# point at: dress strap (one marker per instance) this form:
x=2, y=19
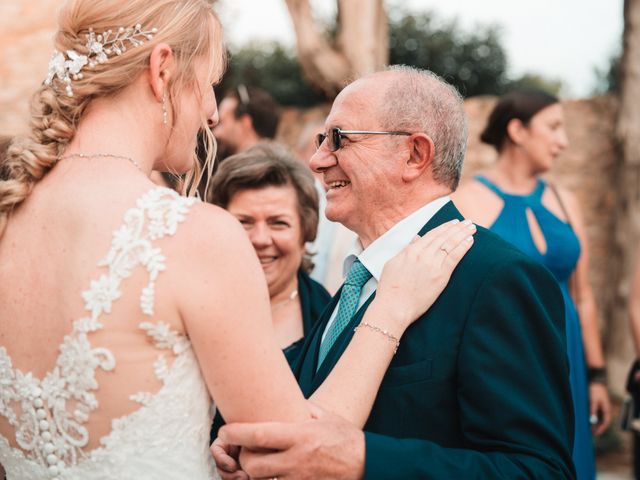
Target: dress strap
x=539, y=190
x=490, y=185
x=535, y=196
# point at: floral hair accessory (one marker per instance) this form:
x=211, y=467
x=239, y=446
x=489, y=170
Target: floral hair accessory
x=99, y=48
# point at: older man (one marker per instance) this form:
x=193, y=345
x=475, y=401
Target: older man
x=479, y=385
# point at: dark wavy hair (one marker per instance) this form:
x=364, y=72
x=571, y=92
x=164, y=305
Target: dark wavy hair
x=519, y=104
x=260, y=106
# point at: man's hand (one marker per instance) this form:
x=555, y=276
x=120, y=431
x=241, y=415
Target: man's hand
x=226, y=457
x=325, y=447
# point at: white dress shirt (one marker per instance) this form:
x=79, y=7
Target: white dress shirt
x=385, y=247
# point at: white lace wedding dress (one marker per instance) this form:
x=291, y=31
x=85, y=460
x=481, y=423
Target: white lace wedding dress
x=166, y=437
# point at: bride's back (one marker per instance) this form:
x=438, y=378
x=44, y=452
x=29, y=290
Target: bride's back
x=98, y=378
x=49, y=257
x=91, y=330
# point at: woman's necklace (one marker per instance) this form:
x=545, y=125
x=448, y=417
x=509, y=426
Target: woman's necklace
x=292, y=297
x=101, y=155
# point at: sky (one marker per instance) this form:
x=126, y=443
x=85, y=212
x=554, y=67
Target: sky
x=563, y=39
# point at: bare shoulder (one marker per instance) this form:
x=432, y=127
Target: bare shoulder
x=213, y=256
x=469, y=188
x=208, y=223
x=476, y=202
x=208, y=240
x=569, y=201
x=568, y=197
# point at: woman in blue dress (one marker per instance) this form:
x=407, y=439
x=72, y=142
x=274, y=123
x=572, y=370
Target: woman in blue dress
x=510, y=198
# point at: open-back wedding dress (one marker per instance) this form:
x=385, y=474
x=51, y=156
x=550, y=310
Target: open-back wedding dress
x=165, y=433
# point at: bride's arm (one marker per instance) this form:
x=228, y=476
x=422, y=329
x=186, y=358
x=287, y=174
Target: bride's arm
x=224, y=303
x=410, y=284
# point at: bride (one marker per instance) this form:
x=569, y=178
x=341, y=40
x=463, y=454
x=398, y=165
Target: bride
x=126, y=307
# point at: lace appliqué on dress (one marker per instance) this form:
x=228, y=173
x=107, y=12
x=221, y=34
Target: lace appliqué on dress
x=49, y=414
x=163, y=338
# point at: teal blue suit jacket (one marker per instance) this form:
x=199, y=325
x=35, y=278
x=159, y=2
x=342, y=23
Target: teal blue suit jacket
x=479, y=387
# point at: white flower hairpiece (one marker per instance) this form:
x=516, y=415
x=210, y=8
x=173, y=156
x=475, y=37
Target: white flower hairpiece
x=99, y=47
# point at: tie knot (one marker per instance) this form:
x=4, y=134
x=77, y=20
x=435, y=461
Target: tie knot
x=358, y=275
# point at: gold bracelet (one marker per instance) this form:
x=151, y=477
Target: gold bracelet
x=383, y=332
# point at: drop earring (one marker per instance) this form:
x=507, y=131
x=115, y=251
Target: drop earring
x=164, y=109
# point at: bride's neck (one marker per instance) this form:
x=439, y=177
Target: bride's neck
x=118, y=126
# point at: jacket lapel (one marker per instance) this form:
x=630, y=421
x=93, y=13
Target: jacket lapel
x=446, y=213
x=305, y=370
x=306, y=373
x=339, y=347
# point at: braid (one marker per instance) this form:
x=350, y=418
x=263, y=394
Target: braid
x=52, y=125
x=190, y=27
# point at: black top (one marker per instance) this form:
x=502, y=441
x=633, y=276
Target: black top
x=313, y=299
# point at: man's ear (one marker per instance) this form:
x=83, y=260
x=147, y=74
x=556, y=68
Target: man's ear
x=421, y=154
x=161, y=64
x=516, y=130
x=247, y=122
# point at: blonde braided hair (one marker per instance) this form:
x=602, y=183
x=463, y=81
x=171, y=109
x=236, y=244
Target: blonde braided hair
x=189, y=27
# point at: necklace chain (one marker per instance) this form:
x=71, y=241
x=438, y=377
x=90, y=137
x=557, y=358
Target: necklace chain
x=292, y=296
x=102, y=155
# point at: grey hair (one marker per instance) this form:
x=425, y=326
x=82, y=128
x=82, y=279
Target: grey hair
x=420, y=101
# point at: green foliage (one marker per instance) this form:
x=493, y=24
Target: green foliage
x=475, y=62
x=533, y=80
x=608, y=78
x=272, y=68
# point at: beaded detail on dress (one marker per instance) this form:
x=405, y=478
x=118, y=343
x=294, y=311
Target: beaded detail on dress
x=49, y=414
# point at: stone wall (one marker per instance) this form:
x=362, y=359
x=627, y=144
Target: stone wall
x=26, y=33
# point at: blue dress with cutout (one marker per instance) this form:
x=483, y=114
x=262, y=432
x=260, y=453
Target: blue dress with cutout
x=561, y=257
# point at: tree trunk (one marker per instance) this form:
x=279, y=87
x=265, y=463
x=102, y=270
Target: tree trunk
x=618, y=339
x=362, y=43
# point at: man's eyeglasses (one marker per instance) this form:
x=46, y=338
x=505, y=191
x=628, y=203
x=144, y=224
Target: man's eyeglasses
x=335, y=135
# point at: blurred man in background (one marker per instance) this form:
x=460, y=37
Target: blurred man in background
x=248, y=115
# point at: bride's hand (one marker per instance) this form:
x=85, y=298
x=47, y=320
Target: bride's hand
x=412, y=281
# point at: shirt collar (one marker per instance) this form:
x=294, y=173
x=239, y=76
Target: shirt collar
x=390, y=243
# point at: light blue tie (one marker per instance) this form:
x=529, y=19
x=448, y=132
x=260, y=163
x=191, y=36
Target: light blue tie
x=349, y=298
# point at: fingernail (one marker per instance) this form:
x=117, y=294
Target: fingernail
x=471, y=226
x=455, y=221
x=470, y=239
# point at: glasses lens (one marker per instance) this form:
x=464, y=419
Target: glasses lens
x=319, y=139
x=335, y=139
